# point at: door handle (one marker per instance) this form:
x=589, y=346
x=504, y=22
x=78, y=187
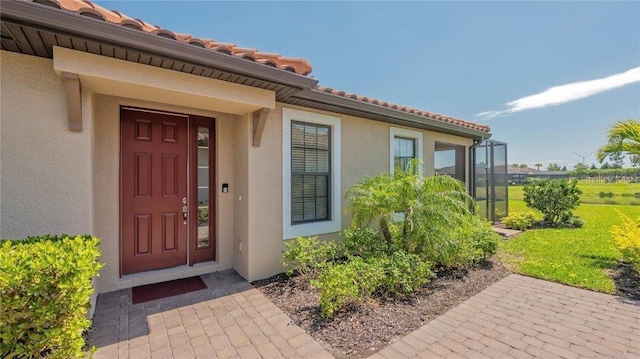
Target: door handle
x=185, y=209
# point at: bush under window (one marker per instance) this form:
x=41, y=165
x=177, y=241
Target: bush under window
x=422, y=223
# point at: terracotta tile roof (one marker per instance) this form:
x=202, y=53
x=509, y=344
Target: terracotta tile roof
x=296, y=65
x=87, y=8
x=426, y=114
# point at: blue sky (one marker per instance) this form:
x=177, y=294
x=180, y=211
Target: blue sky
x=454, y=58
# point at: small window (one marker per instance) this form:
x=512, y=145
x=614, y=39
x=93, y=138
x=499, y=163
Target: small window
x=404, y=150
x=311, y=180
x=310, y=172
x=405, y=145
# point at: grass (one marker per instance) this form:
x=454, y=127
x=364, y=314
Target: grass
x=608, y=193
x=577, y=257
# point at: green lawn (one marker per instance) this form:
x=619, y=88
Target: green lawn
x=578, y=257
x=609, y=193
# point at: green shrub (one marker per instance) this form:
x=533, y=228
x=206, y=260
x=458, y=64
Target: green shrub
x=341, y=284
x=610, y=201
x=484, y=240
x=473, y=242
x=45, y=288
x=519, y=220
x=363, y=241
x=403, y=272
x=554, y=198
x=307, y=255
x=359, y=278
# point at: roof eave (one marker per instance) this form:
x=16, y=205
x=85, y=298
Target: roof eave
x=400, y=117
x=59, y=20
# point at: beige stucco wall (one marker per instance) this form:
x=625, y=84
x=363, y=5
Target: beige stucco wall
x=364, y=152
x=45, y=169
x=241, y=220
x=106, y=189
x=142, y=82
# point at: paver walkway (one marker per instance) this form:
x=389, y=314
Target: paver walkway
x=522, y=317
x=517, y=317
x=229, y=319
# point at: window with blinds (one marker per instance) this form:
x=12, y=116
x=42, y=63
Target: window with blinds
x=310, y=172
x=404, y=150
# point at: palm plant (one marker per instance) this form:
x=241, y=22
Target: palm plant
x=623, y=137
x=413, y=213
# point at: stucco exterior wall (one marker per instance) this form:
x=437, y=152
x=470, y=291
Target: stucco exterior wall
x=365, y=152
x=241, y=222
x=106, y=189
x=45, y=169
x=149, y=83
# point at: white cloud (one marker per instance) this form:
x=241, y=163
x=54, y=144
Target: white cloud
x=566, y=93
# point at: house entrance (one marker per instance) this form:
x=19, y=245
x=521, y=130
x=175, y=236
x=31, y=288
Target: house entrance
x=166, y=171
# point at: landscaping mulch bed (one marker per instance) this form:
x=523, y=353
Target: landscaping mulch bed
x=364, y=329
x=627, y=281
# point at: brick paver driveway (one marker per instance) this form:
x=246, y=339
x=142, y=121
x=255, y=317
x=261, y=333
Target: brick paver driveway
x=230, y=319
x=522, y=317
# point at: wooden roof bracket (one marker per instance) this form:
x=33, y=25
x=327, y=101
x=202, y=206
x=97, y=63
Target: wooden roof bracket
x=259, y=120
x=73, y=89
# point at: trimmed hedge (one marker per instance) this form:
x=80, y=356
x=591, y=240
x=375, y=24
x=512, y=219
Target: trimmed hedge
x=45, y=288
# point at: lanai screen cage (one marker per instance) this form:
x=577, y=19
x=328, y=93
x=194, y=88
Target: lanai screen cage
x=489, y=185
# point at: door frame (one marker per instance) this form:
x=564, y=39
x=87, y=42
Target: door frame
x=192, y=122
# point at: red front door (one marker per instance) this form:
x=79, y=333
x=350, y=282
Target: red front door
x=153, y=190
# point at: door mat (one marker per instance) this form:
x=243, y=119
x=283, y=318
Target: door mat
x=145, y=293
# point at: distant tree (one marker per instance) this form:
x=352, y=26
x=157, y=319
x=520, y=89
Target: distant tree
x=581, y=168
x=622, y=137
x=605, y=166
x=553, y=167
x=523, y=165
x=635, y=161
x=564, y=169
x=515, y=165
x=593, y=166
x=538, y=165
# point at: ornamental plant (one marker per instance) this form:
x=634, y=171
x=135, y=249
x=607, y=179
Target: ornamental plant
x=627, y=238
x=519, y=220
x=412, y=213
x=307, y=255
x=555, y=199
x=45, y=288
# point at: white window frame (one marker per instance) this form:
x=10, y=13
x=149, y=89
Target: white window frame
x=405, y=133
x=334, y=224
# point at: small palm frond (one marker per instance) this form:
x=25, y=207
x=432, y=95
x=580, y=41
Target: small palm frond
x=623, y=136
